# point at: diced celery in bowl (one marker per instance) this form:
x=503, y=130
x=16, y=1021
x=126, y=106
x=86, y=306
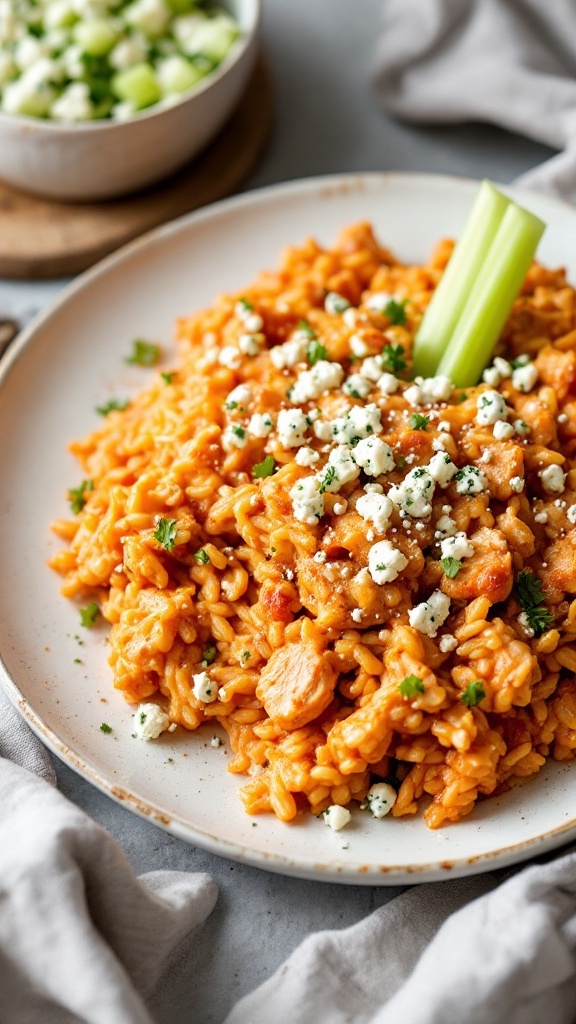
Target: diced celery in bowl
x=86, y=60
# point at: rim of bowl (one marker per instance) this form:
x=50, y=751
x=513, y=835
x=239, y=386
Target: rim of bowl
x=253, y=12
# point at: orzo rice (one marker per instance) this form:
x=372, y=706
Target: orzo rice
x=360, y=577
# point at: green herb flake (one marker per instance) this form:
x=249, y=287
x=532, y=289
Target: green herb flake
x=531, y=598
x=78, y=661
x=246, y=656
x=77, y=495
x=114, y=405
x=462, y=397
x=451, y=566
x=401, y=461
x=396, y=312
x=89, y=614
x=265, y=468
x=245, y=306
x=418, y=422
x=105, y=727
x=304, y=327
x=167, y=377
x=202, y=557
x=169, y=760
x=165, y=533
x=208, y=655
x=329, y=477
x=393, y=360
x=473, y=694
x=315, y=351
x=410, y=686
x=144, y=353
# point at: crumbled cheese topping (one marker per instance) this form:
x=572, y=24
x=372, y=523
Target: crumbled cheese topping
x=324, y=376
x=204, y=688
x=388, y=384
x=470, y=480
x=427, y=390
x=378, y=301
x=414, y=494
x=525, y=623
x=374, y=456
x=503, y=431
x=445, y=527
x=149, y=722
x=337, y=817
x=375, y=508
x=491, y=407
x=380, y=799
x=385, y=562
x=340, y=469
x=291, y=352
x=441, y=468
x=291, y=425
x=234, y=437
x=457, y=546
x=447, y=643
x=358, y=346
x=428, y=616
x=553, y=479
x=260, y=424
x=371, y=368
x=357, y=386
x=231, y=357
x=250, y=344
x=359, y=422
x=524, y=377
x=238, y=398
x=517, y=484
x=307, y=456
x=307, y=501
x=335, y=303
x=570, y=513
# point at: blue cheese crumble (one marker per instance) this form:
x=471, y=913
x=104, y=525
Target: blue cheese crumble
x=385, y=562
x=149, y=722
x=428, y=616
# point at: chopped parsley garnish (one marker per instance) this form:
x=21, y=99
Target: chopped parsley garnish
x=144, y=353
x=77, y=495
x=393, y=360
x=208, y=654
x=246, y=656
x=401, y=461
x=451, y=566
x=202, y=557
x=410, y=686
x=473, y=694
x=531, y=597
x=89, y=614
x=418, y=422
x=165, y=533
x=462, y=396
x=305, y=328
x=167, y=377
x=396, y=311
x=245, y=306
x=105, y=727
x=239, y=431
x=169, y=760
x=329, y=477
x=114, y=405
x=78, y=661
x=315, y=351
x=265, y=468
x=143, y=716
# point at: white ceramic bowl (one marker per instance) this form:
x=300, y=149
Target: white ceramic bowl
x=105, y=159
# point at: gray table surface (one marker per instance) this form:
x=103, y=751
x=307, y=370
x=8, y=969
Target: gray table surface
x=327, y=120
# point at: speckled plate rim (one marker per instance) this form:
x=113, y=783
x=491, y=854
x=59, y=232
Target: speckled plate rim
x=336, y=869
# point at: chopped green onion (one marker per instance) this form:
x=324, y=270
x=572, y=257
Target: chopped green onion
x=450, y=298
x=492, y=296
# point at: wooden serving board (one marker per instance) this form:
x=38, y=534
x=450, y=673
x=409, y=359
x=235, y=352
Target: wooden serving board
x=40, y=238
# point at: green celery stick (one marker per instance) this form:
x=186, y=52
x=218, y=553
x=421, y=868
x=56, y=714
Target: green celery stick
x=492, y=297
x=457, y=281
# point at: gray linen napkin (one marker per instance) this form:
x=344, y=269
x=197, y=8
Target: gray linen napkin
x=508, y=957
x=508, y=62
x=82, y=939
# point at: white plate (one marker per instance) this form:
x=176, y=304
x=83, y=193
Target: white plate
x=70, y=360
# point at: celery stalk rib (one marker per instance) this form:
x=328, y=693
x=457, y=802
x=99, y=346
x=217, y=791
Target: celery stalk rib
x=492, y=297
x=449, y=299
